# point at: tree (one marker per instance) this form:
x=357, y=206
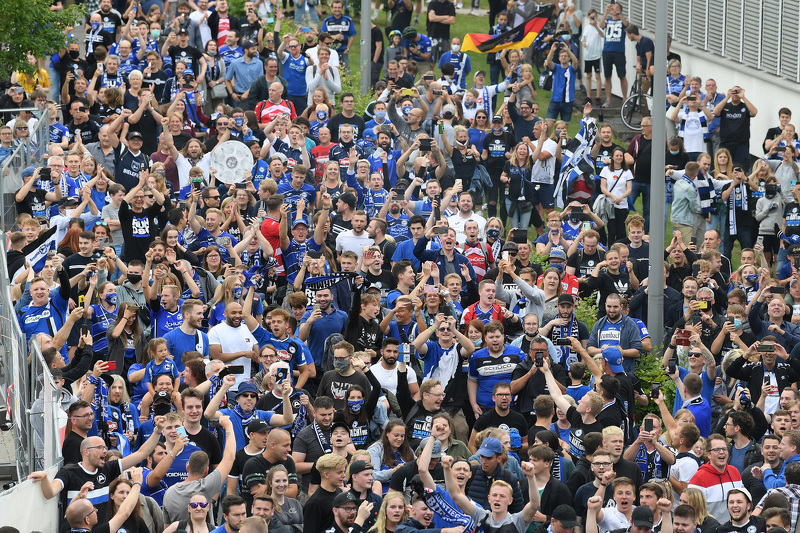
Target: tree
x=29, y=26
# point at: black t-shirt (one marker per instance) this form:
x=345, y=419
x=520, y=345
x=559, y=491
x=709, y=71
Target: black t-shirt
x=318, y=510
x=337, y=120
x=383, y=281
x=605, y=152
x=71, y=449
x=269, y=402
x=206, y=441
x=607, y=283
x=190, y=55
x=102, y=38
x=578, y=430
x=584, y=263
x=75, y=476
x=403, y=475
x=255, y=472
x=520, y=183
x=239, y=460
x=418, y=426
x=148, y=127
x=490, y=419
x=89, y=130
x=377, y=37
x=641, y=172
x=33, y=204
x=438, y=30
x=756, y=524
x=734, y=126
x=497, y=146
x=138, y=230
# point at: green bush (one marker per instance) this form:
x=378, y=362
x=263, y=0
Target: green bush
x=649, y=370
x=586, y=310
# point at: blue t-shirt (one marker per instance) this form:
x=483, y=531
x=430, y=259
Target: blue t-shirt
x=179, y=342
x=239, y=426
x=294, y=72
x=290, y=350
x=563, y=83
x=154, y=369
x=577, y=392
x=707, y=393
x=405, y=250
x=48, y=319
x=615, y=36
x=140, y=387
x=343, y=26
x=324, y=327
x=737, y=456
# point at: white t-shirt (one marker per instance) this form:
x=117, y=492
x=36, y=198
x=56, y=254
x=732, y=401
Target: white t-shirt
x=617, y=187
x=355, y=243
x=593, y=38
x=612, y=519
x=683, y=470
x=201, y=18
x=184, y=166
x=234, y=340
x=692, y=133
x=332, y=62
x=543, y=171
x=388, y=378
x=457, y=222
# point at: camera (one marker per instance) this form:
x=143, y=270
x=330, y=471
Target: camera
x=188, y=78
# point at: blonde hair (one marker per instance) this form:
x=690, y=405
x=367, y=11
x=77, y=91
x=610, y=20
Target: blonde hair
x=612, y=431
x=329, y=462
x=380, y=523
x=697, y=501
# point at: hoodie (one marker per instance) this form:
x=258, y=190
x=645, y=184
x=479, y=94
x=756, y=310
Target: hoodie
x=773, y=481
x=715, y=486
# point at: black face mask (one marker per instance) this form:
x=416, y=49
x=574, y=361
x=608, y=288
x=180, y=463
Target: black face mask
x=770, y=190
x=134, y=278
x=74, y=54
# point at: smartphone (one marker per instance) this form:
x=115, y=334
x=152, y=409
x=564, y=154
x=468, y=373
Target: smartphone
x=766, y=348
x=648, y=425
x=305, y=30
x=760, y=240
x=84, y=330
x=693, y=241
x=111, y=365
x=222, y=241
x=270, y=20
x=81, y=299
x=682, y=337
x=399, y=193
x=197, y=184
x=425, y=145
x=505, y=256
x=777, y=290
x=236, y=369
x=407, y=92
x=51, y=254
x=241, y=186
x=102, y=241
x=564, y=341
x=315, y=307
x=703, y=305
x=440, y=230
x=766, y=380
x=182, y=432
x=538, y=358
x=586, y=226
x=780, y=149
x=231, y=261
x=519, y=236
x=314, y=255
x=429, y=289
x=672, y=366
x=654, y=388
x=280, y=375
x=127, y=474
x=576, y=211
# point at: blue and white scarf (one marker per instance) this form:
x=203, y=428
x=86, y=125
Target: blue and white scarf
x=578, y=160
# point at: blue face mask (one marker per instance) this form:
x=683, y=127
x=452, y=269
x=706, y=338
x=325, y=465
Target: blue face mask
x=674, y=152
x=321, y=115
x=355, y=406
x=380, y=115
x=477, y=342
x=752, y=278
x=737, y=323
x=406, y=109
x=566, y=37
x=558, y=266
x=237, y=292
x=112, y=298
x=95, y=26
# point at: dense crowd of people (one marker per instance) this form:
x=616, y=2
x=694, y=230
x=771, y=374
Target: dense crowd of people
x=341, y=341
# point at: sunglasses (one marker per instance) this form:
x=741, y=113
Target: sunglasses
x=248, y=395
x=201, y=505
x=22, y=128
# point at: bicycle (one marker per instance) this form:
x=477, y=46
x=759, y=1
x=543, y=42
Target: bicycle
x=636, y=106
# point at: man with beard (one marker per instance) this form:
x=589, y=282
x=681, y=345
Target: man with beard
x=490, y=365
x=448, y=259
x=771, y=458
x=231, y=342
x=464, y=215
x=354, y=239
x=740, y=504
x=350, y=514
x=244, y=411
x=376, y=230
x=277, y=452
x=566, y=325
x=501, y=417
x=717, y=478
x=335, y=383
x=319, y=324
x=616, y=329
x=479, y=255
x=349, y=117
x=386, y=371
x=397, y=219
x=188, y=337
x=527, y=379
x=242, y=73
x=313, y=441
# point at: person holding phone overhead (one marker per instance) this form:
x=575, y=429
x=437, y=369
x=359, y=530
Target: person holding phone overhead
x=647, y=451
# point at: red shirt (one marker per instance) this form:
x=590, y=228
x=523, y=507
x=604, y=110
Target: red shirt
x=270, y=230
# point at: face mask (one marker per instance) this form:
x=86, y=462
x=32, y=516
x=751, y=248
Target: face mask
x=674, y=152
x=155, y=34
x=321, y=115
x=355, y=406
x=455, y=48
x=566, y=37
x=380, y=115
x=752, y=278
x=770, y=190
x=95, y=26
x=477, y=343
x=112, y=298
x=406, y=109
x=341, y=364
x=737, y=323
x=493, y=233
x=469, y=105
x=237, y=292
x=574, y=220
x=558, y=266
x=496, y=130
x=74, y=54
x=134, y=278
x=461, y=143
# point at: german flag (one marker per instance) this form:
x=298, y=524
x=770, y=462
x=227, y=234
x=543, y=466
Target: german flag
x=520, y=37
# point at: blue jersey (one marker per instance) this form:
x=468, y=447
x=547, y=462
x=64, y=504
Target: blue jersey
x=153, y=369
x=399, y=228
x=461, y=64
x=48, y=319
x=423, y=47
x=488, y=371
x=177, y=470
x=101, y=321
x=228, y=54
x=343, y=26
x=163, y=321
x=58, y=132
x=405, y=250
x=294, y=72
x=179, y=342
x=290, y=349
x=205, y=240
x=615, y=36
x=291, y=196
x=239, y=425
x=294, y=254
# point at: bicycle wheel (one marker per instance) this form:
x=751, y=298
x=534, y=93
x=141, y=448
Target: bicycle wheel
x=634, y=108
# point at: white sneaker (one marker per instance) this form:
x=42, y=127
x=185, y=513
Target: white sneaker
x=460, y=5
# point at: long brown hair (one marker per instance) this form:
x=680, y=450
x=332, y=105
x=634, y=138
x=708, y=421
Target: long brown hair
x=405, y=450
x=112, y=507
x=136, y=329
x=70, y=239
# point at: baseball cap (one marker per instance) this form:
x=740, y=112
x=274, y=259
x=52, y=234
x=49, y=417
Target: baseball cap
x=566, y=515
x=793, y=249
x=303, y=220
x=510, y=246
x=257, y=426
x=134, y=133
x=490, y=447
x=642, y=516
x=246, y=387
x=183, y=31
x=280, y=157
x=497, y=118
x=69, y=200
x=613, y=357
x=349, y=198
x=743, y=491
x=566, y=299
x=27, y=172
x=161, y=403
x=557, y=253
x=343, y=498
x=527, y=103
x=449, y=108
x=437, y=447
x=248, y=44
x=359, y=466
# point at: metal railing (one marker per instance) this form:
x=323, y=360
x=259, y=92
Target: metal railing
x=28, y=391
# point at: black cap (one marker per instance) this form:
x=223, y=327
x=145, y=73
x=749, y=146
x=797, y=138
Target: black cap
x=409, y=31
x=248, y=44
x=162, y=397
x=528, y=103
x=793, y=249
x=257, y=426
x=349, y=198
x=69, y=200
x=344, y=498
x=642, y=516
x=183, y=31
x=134, y=133
x=359, y=466
x=566, y=515
x=510, y=245
x=497, y=118
x=566, y=299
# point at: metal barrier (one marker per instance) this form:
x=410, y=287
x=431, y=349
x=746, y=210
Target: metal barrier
x=28, y=391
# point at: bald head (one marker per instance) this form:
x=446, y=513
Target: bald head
x=78, y=514
x=275, y=92
x=233, y=314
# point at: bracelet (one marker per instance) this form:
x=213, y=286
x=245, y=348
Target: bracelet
x=672, y=346
x=432, y=328
x=136, y=483
x=171, y=455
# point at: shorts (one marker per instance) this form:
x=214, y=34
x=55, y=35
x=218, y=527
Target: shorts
x=560, y=109
x=592, y=65
x=543, y=194
x=611, y=60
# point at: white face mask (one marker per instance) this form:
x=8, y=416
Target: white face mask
x=455, y=48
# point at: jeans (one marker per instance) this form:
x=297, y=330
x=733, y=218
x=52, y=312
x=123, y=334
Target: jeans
x=300, y=102
x=783, y=258
x=644, y=190
x=744, y=234
x=517, y=220
x=740, y=153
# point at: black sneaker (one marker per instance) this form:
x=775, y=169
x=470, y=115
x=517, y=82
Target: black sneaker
x=598, y=101
x=587, y=101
